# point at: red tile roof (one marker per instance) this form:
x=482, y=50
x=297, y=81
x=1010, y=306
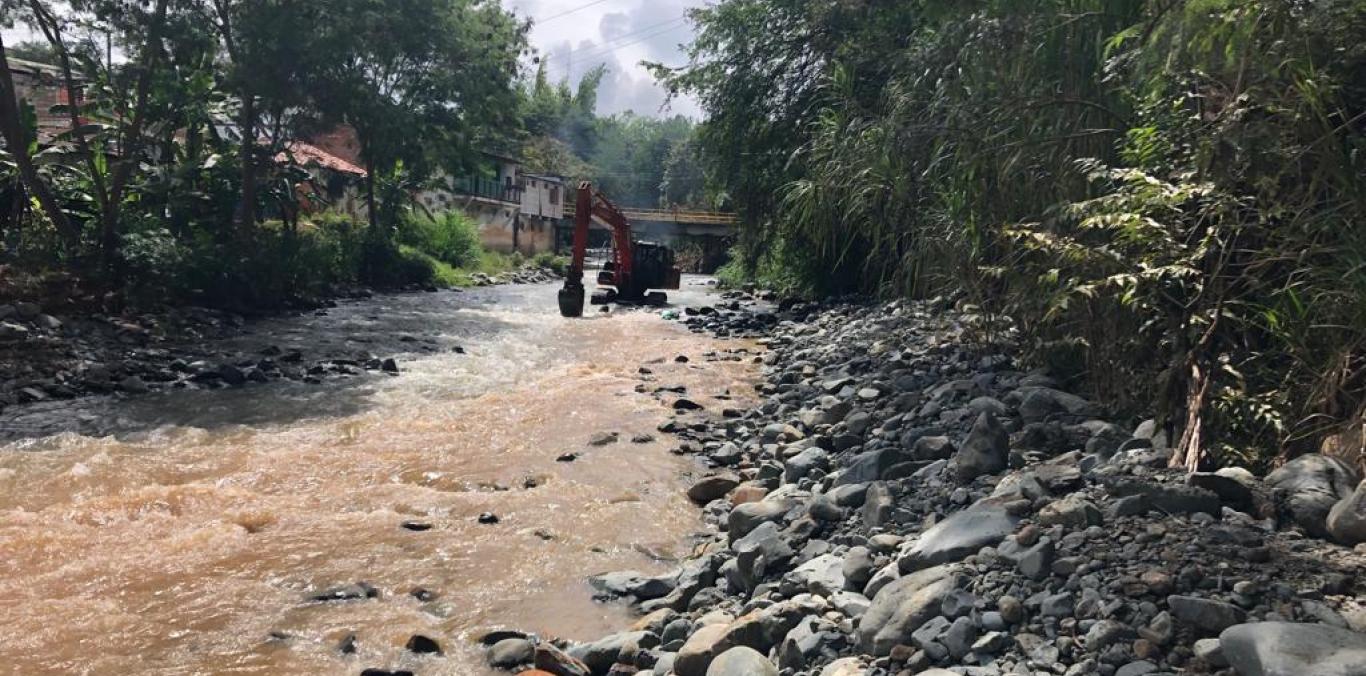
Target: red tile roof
x=307, y=154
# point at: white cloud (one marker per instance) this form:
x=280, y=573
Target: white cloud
x=619, y=34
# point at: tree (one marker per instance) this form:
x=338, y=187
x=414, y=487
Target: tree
x=418, y=80
x=20, y=141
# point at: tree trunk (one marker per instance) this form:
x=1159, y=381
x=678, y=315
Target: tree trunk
x=12, y=126
x=131, y=137
x=246, y=209
x=370, y=203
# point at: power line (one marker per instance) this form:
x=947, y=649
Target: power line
x=596, y=48
x=567, y=12
x=599, y=53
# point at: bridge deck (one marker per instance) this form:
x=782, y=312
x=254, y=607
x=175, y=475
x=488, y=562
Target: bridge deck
x=671, y=216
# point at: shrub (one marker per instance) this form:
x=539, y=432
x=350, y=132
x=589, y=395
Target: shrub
x=451, y=237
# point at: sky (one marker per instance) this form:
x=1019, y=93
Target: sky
x=575, y=35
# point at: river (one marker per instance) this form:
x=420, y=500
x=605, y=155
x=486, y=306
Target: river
x=184, y=533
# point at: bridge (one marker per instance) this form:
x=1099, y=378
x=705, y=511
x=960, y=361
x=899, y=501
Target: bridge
x=686, y=221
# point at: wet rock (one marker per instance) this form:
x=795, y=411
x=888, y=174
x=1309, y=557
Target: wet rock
x=134, y=385
x=351, y=592
x=600, y=655
x=231, y=375
x=416, y=526
x=741, y=661
x=604, y=438
x=686, y=405
x=631, y=583
x=389, y=366
x=713, y=487
x=985, y=451
x=1288, y=649
x=488, y=518
x=554, y=661
x=959, y=536
x=423, y=645
x=347, y=646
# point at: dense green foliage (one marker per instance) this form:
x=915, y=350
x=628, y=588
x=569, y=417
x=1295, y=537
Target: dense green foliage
x=174, y=173
x=1166, y=198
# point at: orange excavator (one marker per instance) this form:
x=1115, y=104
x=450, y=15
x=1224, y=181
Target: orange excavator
x=634, y=269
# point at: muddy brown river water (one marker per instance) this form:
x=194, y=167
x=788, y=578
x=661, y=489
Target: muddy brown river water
x=183, y=533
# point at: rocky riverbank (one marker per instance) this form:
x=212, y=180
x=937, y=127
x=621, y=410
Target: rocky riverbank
x=903, y=504
x=70, y=353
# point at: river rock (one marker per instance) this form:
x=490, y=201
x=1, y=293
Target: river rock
x=1312, y=485
x=712, y=487
x=1206, y=614
x=510, y=653
x=748, y=516
x=741, y=661
x=600, y=655
x=985, y=451
x=699, y=650
x=1347, y=519
x=959, y=536
x=631, y=583
x=799, y=466
x=554, y=661
x=1072, y=511
x=902, y=606
x=761, y=552
x=1290, y=649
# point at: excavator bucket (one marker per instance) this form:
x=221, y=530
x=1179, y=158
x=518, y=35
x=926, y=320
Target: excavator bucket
x=571, y=301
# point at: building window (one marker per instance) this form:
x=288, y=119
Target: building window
x=554, y=194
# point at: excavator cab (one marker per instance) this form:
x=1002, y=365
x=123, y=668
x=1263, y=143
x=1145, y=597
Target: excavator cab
x=635, y=267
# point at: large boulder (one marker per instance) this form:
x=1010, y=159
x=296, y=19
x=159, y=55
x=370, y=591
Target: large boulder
x=901, y=607
x=1289, y=649
x=960, y=536
x=741, y=661
x=1347, y=520
x=985, y=451
x=1311, y=486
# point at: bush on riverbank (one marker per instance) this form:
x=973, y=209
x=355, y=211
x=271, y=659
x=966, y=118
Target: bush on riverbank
x=1165, y=198
x=314, y=259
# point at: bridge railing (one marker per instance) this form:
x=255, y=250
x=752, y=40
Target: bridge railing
x=671, y=215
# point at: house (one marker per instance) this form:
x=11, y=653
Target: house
x=334, y=183
x=515, y=210
x=42, y=86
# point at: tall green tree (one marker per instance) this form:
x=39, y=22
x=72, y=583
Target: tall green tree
x=419, y=80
